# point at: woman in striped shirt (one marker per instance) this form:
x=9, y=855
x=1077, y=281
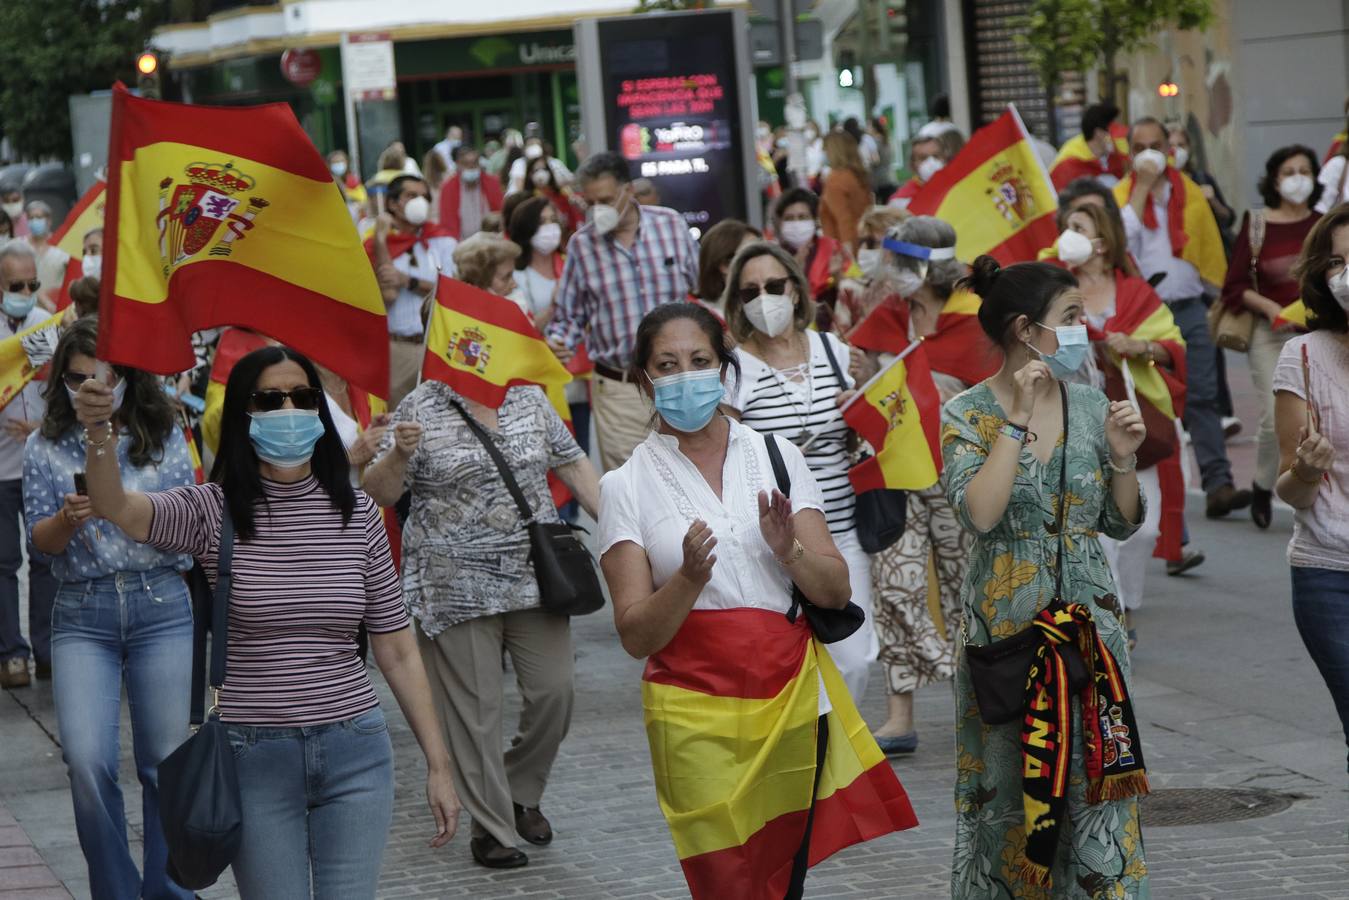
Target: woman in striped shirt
x=793, y=381
x=311, y=564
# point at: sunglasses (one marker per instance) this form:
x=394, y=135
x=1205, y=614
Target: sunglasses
x=300, y=398
x=73, y=380
x=17, y=286
x=772, y=286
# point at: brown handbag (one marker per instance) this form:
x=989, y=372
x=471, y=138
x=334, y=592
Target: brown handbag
x=1232, y=330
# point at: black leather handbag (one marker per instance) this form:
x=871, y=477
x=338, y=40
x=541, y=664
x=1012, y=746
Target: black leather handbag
x=999, y=670
x=829, y=625
x=564, y=568
x=879, y=514
x=199, y=802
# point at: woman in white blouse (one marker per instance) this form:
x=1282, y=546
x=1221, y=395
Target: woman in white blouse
x=701, y=551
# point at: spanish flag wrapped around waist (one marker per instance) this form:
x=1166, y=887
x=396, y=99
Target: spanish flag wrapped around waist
x=732, y=707
x=1190, y=224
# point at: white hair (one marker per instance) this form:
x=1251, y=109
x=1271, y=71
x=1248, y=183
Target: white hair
x=37, y=206
x=18, y=250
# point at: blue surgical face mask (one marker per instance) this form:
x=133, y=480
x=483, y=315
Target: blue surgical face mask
x=39, y=227
x=18, y=306
x=285, y=437
x=688, y=400
x=1073, y=348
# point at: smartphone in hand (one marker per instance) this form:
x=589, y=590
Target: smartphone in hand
x=81, y=484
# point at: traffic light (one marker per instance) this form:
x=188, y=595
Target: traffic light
x=1168, y=89
x=147, y=69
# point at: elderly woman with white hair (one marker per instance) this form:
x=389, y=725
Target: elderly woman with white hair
x=918, y=274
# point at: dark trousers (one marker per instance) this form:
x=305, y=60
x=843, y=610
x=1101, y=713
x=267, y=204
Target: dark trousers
x=1321, y=612
x=41, y=584
x=1202, y=418
x=797, y=886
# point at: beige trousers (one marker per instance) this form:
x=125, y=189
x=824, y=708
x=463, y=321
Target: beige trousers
x=1266, y=345
x=405, y=364
x=464, y=663
x=620, y=419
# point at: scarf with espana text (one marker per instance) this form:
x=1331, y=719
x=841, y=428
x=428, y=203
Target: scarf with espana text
x=1114, y=753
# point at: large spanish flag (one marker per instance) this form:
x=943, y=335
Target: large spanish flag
x=958, y=347
x=996, y=193
x=481, y=345
x=732, y=711
x=899, y=413
x=1141, y=315
x=1076, y=160
x=1190, y=224
x=229, y=216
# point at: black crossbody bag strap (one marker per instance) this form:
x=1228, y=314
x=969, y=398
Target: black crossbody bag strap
x=833, y=361
x=1063, y=497
x=503, y=467
x=215, y=619
x=784, y=483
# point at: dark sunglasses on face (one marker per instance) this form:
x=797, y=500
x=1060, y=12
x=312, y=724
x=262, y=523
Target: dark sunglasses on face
x=73, y=380
x=18, y=286
x=772, y=286
x=300, y=397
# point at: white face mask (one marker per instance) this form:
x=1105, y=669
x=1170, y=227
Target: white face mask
x=533, y=151
x=1154, y=160
x=797, y=233
x=1339, y=288
x=1181, y=155
x=547, y=238
x=338, y=168
x=13, y=210
x=1296, y=188
x=92, y=265
x=770, y=313
x=929, y=167
x=869, y=260
x=908, y=282
x=1075, y=248
x=416, y=210
x=541, y=177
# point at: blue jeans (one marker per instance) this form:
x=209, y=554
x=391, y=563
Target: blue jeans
x=1202, y=418
x=133, y=628
x=1321, y=611
x=41, y=584
x=317, y=801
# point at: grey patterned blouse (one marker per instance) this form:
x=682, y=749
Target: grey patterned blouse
x=465, y=548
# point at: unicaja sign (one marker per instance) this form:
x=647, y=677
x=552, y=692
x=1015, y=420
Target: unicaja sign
x=534, y=53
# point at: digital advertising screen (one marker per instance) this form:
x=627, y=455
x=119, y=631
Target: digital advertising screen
x=673, y=110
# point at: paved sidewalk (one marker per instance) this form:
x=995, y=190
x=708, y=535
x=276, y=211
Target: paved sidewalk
x=23, y=874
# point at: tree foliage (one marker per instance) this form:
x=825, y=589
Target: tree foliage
x=50, y=49
x=1076, y=35
x=672, y=5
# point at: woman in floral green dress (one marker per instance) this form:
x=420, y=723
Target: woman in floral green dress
x=1003, y=448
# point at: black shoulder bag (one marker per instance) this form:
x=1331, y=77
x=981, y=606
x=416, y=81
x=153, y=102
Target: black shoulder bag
x=198, y=786
x=880, y=514
x=568, y=583
x=829, y=625
x=999, y=670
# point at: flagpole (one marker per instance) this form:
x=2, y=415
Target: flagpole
x=426, y=344
x=877, y=377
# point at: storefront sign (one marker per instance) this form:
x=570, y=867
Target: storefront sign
x=301, y=67
x=367, y=66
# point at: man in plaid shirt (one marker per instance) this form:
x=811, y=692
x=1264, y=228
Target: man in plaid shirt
x=625, y=262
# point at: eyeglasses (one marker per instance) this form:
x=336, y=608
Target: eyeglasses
x=17, y=286
x=73, y=380
x=300, y=397
x=772, y=286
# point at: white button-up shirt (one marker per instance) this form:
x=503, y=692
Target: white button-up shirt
x=1152, y=249
x=419, y=262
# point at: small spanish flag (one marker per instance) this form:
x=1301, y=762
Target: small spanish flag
x=1076, y=160
x=229, y=216
x=16, y=368
x=1294, y=314
x=958, y=347
x=899, y=413
x=481, y=344
x=996, y=193
x=732, y=717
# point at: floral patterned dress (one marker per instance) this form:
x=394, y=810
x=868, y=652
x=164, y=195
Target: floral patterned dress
x=1011, y=578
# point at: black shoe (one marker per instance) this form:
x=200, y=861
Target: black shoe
x=43, y=670
x=1262, y=507
x=1189, y=559
x=532, y=826
x=488, y=852
x=1225, y=500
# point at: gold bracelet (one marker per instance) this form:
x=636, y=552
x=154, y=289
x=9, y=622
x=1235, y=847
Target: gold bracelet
x=798, y=551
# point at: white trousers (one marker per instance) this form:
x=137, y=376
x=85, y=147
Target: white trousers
x=1129, y=559
x=854, y=654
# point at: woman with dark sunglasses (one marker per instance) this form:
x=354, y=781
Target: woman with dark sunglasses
x=311, y=564
x=793, y=381
x=121, y=618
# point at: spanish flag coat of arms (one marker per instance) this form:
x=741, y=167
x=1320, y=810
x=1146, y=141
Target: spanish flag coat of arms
x=229, y=216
